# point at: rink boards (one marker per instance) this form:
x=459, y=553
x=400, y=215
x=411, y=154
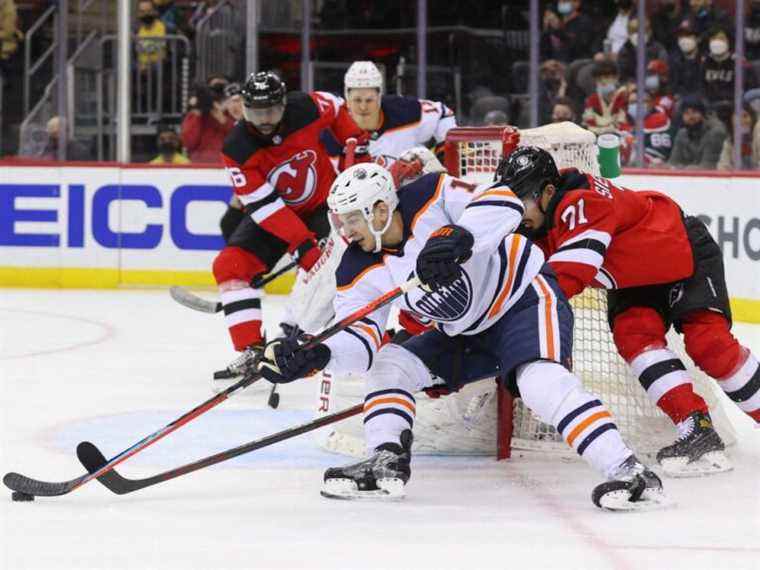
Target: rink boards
x=105, y=225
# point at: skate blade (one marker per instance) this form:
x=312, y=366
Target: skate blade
x=346, y=489
x=619, y=501
x=221, y=384
x=710, y=463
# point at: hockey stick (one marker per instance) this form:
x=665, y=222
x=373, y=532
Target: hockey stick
x=193, y=301
x=93, y=460
x=29, y=486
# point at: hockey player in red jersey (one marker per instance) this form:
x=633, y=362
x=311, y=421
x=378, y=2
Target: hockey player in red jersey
x=281, y=174
x=660, y=267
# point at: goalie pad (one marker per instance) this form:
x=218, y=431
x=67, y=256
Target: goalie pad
x=414, y=163
x=311, y=302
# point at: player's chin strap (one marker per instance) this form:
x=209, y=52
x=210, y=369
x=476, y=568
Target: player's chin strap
x=378, y=234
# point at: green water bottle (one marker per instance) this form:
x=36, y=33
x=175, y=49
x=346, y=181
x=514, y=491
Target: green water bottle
x=609, y=155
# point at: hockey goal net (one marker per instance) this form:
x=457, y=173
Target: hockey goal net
x=481, y=419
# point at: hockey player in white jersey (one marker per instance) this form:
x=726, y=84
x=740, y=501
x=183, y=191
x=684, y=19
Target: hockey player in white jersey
x=393, y=124
x=498, y=312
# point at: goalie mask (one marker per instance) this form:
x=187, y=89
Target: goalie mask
x=353, y=197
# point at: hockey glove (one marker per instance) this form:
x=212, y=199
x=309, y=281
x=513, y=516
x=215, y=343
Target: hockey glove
x=285, y=360
x=307, y=254
x=438, y=264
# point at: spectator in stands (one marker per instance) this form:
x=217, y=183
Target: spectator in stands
x=168, y=14
x=718, y=69
x=233, y=102
x=552, y=84
x=704, y=17
x=686, y=63
x=496, y=118
x=750, y=142
x=657, y=85
x=75, y=150
x=752, y=32
x=563, y=110
x=567, y=36
x=149, y=51
x=699, y=141
x=658, y=131
x=627, y=55
x=605, y=110
x=207, y=123
x=169, y=148
x=617, y=33
x=10, y=35
x=665, y=21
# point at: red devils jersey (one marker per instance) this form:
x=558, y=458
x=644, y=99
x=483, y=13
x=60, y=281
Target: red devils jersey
x=284, y=178
x=610, y=237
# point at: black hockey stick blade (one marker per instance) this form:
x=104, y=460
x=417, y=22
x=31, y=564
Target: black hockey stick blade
x=192, y=301
x=24, y=484
x=93, y=460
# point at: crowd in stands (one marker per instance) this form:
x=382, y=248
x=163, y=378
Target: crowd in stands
x=588, y=66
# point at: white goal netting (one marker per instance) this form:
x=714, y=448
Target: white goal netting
x=467, y=422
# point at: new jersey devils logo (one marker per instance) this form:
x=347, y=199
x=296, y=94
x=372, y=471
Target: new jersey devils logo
x=446, y=304
x=296, y=178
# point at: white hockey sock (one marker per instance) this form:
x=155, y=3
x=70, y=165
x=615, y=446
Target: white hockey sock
x=389, y=407
x=743, y=387
x=659, y=371
x=558, y=398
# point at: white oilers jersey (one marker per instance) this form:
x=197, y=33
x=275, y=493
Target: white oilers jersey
x=408, y=122
x=493, y=279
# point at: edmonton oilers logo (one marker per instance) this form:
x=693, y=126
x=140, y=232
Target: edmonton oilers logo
x=445, y=304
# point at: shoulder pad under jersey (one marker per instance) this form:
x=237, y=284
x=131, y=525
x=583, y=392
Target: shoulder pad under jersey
x=400, y=111
x=354, y=263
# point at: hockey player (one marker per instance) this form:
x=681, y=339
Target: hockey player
x=660, y=268
x=498, y=311
x=393, y=123
x=281, y=175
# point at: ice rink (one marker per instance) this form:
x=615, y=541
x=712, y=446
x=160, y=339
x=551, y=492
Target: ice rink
x=113, y=366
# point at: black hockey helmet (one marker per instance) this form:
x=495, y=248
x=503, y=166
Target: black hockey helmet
x=263, y=89
x=527, y=171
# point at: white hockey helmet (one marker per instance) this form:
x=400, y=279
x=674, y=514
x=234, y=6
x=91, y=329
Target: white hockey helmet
x=362, y=74
x=360, y=187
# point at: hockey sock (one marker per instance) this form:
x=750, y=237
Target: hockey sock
x=242, y=313
x=558, y=397
x=667, y=384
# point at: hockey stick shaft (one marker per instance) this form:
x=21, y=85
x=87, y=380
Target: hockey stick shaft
x=27, y=485
x=193, y=301
x=350, y=152
x=93, y=459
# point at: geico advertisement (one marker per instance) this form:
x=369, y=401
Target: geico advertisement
x=730, y=207
x=163, y=219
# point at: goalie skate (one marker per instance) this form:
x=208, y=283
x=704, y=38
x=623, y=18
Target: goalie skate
x=632, y=488
x=697, y=452
x=381, y=477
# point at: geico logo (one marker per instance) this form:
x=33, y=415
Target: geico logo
x=737, y=237
x=75, y=210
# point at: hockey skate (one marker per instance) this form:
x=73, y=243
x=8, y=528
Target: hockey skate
x=698, y=450
x=633, y=487
x=381, y=476
x=247, y=361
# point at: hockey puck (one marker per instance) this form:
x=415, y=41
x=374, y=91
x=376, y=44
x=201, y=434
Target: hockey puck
x=19, y=496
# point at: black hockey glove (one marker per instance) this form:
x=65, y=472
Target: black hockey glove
x=446, y=249
x=285, y=360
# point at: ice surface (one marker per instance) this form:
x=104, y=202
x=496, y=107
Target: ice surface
x=113, y=366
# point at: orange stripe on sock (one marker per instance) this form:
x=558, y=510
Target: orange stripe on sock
x=380, y=401
x=584, y=424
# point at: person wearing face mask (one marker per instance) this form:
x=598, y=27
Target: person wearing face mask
x=658, y=131
x=567, y=33
x=686, y=63
x=699, y=141
x=703, y=17
x=752, y=31
x=749, y=138
x=207, y=122
x=656, y=83
x=150, y=51
x=605, y=110
x=563, y=110
x=627, y=55
x=718, y=69
x=169, y=148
